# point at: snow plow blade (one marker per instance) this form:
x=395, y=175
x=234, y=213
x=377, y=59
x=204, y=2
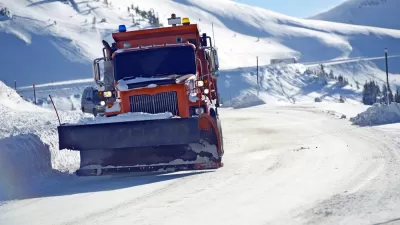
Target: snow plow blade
x=141, y=145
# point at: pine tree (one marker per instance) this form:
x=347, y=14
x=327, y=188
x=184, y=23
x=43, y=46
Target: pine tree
x=384, y=93
x=340, y=79
x=397, y=96
x=371, y=92
x=366, y=94
x=322, y=72
x=391, y=98
x=331, y=75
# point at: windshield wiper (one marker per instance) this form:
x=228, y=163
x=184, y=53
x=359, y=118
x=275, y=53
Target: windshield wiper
x=168, y=75
x=128, y=78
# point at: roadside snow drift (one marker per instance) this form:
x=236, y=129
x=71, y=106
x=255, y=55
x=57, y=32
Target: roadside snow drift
x=378, y=114
x=29, y=145
x=24, y=159
x=244, y=101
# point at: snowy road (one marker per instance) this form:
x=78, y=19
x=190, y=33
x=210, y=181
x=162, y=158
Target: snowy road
x=342, y=61
x=283, y=165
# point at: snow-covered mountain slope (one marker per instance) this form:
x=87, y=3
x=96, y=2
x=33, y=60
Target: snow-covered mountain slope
x=376, y=13
x=57, y=40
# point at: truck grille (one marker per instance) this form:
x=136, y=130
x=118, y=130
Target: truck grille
x=159, y=103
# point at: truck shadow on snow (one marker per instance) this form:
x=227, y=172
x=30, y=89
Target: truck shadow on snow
x=71, y=184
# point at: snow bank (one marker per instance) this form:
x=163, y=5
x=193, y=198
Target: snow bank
x=378, y=114
x=29, y=145
x=125, y=117
x=71, y=103
x=24, y=159
x=244, y=101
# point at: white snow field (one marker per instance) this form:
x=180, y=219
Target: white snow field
x=376, y=13
x=59, y=40
x=289, y=159
x=293, y=164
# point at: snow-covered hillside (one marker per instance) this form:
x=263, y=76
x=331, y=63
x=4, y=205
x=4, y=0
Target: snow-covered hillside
x=376, y=13
x=56, y=40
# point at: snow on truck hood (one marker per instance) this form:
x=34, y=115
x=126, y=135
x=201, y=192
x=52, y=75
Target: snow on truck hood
x=123, y=85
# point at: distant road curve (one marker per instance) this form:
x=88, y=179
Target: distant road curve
x=341, y=61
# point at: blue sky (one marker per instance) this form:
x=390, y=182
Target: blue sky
x=297, y=8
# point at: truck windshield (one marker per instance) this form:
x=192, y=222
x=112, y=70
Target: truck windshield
x=155, y=62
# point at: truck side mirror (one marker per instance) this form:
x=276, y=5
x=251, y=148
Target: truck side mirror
x=96, y=71
x=204, y=40
x=216, y=59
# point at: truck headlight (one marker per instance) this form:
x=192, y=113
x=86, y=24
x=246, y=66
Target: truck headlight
x=102, y=103
x=127, y=45
x=107, y=94
x=200, y=83
x=199, y=111
x=206, y=91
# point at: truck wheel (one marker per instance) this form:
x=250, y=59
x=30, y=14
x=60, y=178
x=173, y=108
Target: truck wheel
x=94, y=112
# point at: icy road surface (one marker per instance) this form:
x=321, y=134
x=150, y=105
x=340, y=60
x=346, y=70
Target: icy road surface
x=283, y=165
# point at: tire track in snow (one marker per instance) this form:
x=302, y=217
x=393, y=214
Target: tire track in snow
x=140, y=199
x=370, y=194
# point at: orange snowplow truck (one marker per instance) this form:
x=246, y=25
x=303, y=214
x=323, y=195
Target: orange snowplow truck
x=169, y=77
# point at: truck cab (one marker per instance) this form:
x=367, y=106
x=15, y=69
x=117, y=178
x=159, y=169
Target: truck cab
x=170, y=69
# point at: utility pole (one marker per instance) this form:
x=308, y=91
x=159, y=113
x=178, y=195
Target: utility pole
x=387, y=76
x=258, y=84
x=34, y=93
x=15, y=85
